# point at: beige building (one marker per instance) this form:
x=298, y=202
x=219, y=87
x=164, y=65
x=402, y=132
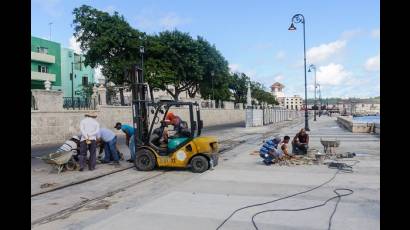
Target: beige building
x=295, y=102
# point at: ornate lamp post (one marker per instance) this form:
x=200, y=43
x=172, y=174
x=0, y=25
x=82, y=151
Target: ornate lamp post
x=310, y=70
x=299, y=18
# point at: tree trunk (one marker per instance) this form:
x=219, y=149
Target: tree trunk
x=174, y=95
x=151, y=93
x=122, y=96
x=193, y=92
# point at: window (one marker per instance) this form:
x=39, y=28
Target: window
x=77, y=61
x=85, y=80
x=70, y=54
x=42, y=69
x=43, y=50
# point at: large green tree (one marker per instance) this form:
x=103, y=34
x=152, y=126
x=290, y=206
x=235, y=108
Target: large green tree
x=213, y=84
x=258, y=91
x=174, y=60
x=238, y=84
x=108, y=40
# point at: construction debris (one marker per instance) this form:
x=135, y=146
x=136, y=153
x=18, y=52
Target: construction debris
x=46, y=185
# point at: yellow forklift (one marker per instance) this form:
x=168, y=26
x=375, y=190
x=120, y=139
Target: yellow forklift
x=187, y=150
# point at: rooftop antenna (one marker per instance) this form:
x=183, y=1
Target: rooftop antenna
x=50, y=23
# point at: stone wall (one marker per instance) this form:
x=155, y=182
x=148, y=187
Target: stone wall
x=260, y=117
x=56, y=127
x=48, y=100
x=377, y=128
x=353, y=127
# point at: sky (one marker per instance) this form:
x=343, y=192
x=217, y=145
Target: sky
x=342, y=36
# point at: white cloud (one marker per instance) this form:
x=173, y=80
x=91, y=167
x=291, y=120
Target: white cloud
x=332, y=74
x=373, y=63
x=278, y=77
x=172, y=20
x=280, y=56
x=50, y=7
x=375, y=33
x=97, y=73
x=324, y=51
x=233, y=67
x=109, y=9
x=349, y=34
x=150, y=20
x=73, y=44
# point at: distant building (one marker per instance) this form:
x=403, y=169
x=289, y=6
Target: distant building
x=49, y=61
x=357, y=106
x=277, y=91
x=83, y=75
x=45, y=63
x=293, y=103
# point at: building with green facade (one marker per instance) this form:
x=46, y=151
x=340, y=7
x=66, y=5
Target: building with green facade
x=71, y=62
x=45, y=63
x=49, y=61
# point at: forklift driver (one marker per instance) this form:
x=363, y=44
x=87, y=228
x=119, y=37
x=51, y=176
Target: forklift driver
x=180, y=126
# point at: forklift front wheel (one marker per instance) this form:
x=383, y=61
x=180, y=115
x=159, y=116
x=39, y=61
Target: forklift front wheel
x=199, y=164
x=145, y=160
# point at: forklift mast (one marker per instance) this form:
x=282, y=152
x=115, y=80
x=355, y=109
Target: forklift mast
x=139, y=106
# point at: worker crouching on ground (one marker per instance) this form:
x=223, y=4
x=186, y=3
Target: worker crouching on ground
x=267, y=152
x=130, y=140
x=89, y=129
x=275, y=150
x=110, y=141
x=72, y=144
x=300, y=142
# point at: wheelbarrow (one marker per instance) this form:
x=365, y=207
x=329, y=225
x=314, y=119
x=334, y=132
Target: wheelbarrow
x=60, y=160
x=330, y=145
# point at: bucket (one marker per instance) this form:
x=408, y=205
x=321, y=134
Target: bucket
x=311, y=152
x=320, y=157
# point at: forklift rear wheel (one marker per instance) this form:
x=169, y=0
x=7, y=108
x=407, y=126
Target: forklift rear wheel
x=199, y=164
x=145, y=160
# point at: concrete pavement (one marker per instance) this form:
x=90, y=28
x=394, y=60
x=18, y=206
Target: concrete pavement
x=182, y=200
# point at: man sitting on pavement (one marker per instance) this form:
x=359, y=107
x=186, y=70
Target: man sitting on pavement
x=110, y=141
x=300, y=142
x=282, y=149
x=130, y=140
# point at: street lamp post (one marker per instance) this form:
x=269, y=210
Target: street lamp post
x=310, y=70
x=299, y=18
x=212, y=83
x=320, y=100
x=142, y=60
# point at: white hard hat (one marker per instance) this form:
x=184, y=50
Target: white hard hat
x=76, y=137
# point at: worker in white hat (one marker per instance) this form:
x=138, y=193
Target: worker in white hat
x=72, y=144
x=89, y=129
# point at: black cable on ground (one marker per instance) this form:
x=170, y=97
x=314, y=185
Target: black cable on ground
x=342, y=167
x=338, y=196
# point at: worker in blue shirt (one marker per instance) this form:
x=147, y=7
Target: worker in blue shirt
x=268, y=150
x=130, y=140
x=110, y=141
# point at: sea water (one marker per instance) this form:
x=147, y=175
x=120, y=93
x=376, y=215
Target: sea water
x=367, y=119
